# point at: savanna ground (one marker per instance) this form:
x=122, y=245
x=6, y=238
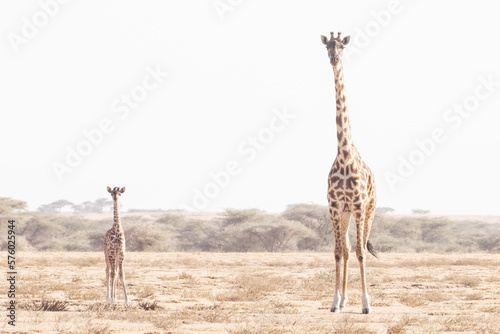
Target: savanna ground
x=64, y=292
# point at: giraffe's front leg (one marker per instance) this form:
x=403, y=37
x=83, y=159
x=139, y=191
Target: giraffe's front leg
x=365, y=298
x=336, y=298
x=108, y=283
x=114, y=276
x=346, y=248
x=343, y=299
x=112, y=287
x=114, y=280
x=338, y=261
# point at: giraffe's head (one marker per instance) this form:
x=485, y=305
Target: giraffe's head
x=335, y=46
x=116, y=192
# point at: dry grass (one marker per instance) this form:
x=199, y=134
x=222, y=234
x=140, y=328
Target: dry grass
x=348, y=325
x=149, y=306
x=246, y=329
x=50, y=305
x=380, y=298
x=280, y=307
x=474, y=296
x=185, y=275
x=403, y=325
x=411, y=299
x=145, y=292
x=436, y=296
x=466, y=281
x=258, y=293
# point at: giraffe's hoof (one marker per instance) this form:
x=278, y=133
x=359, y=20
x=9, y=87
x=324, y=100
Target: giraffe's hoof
x=367, y=310
x=127, y=302
x=335, y=309
x=343, y=303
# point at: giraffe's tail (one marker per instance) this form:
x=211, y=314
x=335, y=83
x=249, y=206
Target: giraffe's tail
x=371, y=249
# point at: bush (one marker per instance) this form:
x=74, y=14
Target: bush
x=172, y=219
x=50, y=305
x=300, y=227
x=317, y=219
x=145, y=238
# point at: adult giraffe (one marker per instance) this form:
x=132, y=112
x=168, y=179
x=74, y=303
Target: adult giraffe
x=351, y=187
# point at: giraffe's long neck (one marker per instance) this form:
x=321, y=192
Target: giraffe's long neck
x=343, y=125
x=116, y=214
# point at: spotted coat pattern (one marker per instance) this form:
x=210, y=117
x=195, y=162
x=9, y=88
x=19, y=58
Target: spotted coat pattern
x=351, y=187
x=114, y=251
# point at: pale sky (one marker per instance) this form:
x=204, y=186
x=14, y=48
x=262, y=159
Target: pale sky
x=208, y=105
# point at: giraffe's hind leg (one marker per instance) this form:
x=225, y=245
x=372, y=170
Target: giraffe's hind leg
x=368, y=219
x=122, y=278
x=369, y=216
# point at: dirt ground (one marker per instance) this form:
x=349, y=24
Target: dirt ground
x=64, y=292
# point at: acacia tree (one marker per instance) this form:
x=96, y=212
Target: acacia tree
x=9, y=209
x=384, y=209
x=236, y=217
x=280, y=234
x=55, y=207
x=253, y=230
x=96, y=206
x=140, y=238
x=101, y=203
x=420, y=211
x=198, y=235
x=316, y=218
x=9, y=205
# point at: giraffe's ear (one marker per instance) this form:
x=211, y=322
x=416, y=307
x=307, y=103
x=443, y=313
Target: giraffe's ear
x=324, y=39
x=346, y=40
x=109, y=190
x=122, y=190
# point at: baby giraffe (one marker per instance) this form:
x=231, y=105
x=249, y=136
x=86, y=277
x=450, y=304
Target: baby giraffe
x=114, y=251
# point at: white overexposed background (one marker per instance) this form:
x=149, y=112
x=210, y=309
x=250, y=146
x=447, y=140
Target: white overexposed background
x=207, y=105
